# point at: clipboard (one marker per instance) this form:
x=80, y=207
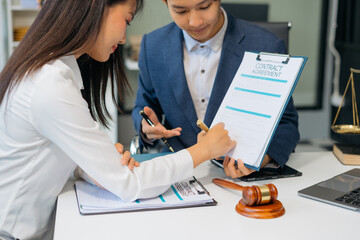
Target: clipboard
x=94, y=200
x=184, y=194
x=255, y=102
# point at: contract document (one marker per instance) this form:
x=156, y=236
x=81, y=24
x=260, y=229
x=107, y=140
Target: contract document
x=255, y=102
x=187, y=193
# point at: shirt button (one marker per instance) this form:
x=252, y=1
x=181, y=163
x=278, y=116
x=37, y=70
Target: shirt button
x=202, y=100
x=202, y=70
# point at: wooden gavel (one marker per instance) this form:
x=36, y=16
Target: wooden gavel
x=254, y=195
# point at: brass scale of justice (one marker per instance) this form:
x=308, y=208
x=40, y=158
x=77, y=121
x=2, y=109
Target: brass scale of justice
x=261, y=201
x=349, y=129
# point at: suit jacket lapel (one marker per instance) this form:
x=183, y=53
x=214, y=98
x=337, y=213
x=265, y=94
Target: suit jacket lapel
x=231, y=56
x=173, y=58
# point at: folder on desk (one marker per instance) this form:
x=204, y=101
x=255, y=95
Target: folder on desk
x=188, y=193
x=255, y=102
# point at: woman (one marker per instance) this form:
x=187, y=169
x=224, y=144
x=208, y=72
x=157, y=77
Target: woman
x=47, y=128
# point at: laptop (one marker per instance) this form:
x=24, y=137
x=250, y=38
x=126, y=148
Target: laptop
x=342, y=190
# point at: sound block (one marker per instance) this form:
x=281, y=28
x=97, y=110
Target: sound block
x=271, y=210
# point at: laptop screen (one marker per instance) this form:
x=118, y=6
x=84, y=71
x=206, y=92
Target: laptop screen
x=344, y=183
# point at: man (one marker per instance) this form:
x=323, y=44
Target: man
x=186, y=68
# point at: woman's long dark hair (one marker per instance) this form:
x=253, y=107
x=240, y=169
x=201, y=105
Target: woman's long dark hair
x=61, y=28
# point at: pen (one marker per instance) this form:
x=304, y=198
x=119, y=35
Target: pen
x=202, y=125
x=147, y=119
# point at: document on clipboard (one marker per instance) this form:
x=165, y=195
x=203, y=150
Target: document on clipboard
x=188, y=193
x=95, y=200
x=255, y=102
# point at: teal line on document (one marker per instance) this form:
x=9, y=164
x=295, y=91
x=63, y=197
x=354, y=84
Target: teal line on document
x=137, y=201
x=162, y=198
x=264, y=78
x=257, y=92
x=177, y=194
x=248, y=112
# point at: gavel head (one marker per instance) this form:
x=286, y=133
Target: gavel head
x=259, y=195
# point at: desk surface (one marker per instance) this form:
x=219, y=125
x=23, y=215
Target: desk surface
x=304, y=218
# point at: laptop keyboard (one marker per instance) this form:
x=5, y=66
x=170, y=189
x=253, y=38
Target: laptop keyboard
x=352, y=198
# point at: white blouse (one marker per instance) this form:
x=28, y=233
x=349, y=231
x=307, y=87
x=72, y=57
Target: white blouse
x=46, y=130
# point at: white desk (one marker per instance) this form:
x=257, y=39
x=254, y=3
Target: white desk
x=304, y=218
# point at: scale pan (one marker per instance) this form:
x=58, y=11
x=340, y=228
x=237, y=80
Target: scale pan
x=346, y=129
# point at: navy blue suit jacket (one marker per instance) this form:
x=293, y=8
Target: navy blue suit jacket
x=163, y=86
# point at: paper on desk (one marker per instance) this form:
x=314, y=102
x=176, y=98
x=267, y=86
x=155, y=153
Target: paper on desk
x=254, y=103
x=92, y=199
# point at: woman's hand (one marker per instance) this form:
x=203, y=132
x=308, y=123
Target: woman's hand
x=212, y=144
x=126, y=159
x=217, y=141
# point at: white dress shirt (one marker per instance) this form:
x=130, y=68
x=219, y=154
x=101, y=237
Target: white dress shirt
x=201, y=61
x=46, y=130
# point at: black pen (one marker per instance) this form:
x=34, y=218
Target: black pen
x=147, y=119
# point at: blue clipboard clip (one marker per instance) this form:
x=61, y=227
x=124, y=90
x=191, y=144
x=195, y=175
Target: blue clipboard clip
x=258, y=58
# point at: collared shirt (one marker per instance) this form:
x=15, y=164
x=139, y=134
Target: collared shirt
x=201, y=61
x=46, y=130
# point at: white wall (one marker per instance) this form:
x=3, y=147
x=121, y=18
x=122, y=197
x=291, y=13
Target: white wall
x=3, y=38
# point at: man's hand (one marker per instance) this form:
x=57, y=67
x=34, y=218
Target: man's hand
x=126, y=160
x=239, y=170
x=158, y=131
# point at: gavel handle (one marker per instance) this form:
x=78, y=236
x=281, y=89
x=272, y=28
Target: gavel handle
x=227, y=184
